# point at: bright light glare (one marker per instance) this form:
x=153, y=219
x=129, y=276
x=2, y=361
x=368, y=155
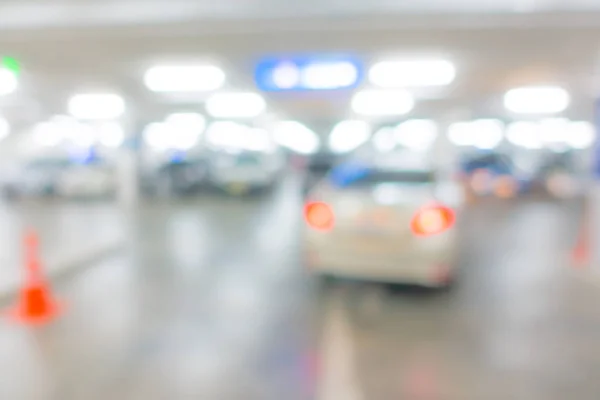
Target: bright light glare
x=489, y=133
x=384, y=139
x=47, y=134
x=110, y=134
x=8, y=82
x=461, y=134
x=156, y=135
x=185, y=129
x=382, y=102
x=179, y=131
x=416, y=134
x=187, y=120
x=554, y=130
x=4, y=128
x=581, y=135
x=286, y=76
x=296, y=137
x=235, y=105
x=485, y=134
x=226, y=134
x=96, y=106
x=80, y=135
x=537, y=100
x=329, y=75
x=348, y=135
x=524, y=134
x=418, y=73
x=258, y=140
x=190, y=78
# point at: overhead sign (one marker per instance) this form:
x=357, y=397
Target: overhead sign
x=308, y=73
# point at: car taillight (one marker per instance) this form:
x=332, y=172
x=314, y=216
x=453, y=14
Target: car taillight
x=319, y=216
x=432, y=220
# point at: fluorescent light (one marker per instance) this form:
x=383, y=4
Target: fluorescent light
x=382, y=102
x=460, y=134
x=96, y=106
x=416, y=134
x=258, y=139
x=187, y=121
x=554, y=130
x=581, y=135
x=348, y=135
x=286, y=76
x=329, y=75
x=488, y=133
x=485, y=134
x=235, y=105
x=47, y=134
x=185, y=78
x=296, y=136
x=417, y=73
x=537, y=100
x=8, y=82
x=4, y=128
x=384, y=139
x=524, y=134
x=156, y=136
x=179, y=131
x=110, y=134
x=226, y=134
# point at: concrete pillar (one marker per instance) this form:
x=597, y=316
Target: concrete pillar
x=590, y=225
x=127, y=168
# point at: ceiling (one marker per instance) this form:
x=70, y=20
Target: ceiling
x=78, y=45
x=36, y=14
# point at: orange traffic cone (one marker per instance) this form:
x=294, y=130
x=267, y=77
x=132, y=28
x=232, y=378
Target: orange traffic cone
x=580, y=254
x=36, y=304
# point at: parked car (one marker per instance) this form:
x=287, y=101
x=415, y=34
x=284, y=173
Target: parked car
x=317, y=166
x=244, y=171
x=35, y=178
x=86, y=181
x=177, y=178
x=493, y=174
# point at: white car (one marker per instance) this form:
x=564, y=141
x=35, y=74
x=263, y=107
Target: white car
x=383, y=224
x=36, y=178
x=86, y=181
x=242, y=172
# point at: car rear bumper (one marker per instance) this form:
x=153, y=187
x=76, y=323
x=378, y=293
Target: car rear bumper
x=422, y=268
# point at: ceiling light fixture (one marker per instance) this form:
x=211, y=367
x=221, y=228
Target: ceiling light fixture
x=412, y=73
x=184, y=78
x=537, y=100
x=348, y=135
x=296, y=137
x=96, y=106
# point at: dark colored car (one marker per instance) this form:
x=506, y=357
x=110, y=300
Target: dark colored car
x=494, y=173
x=317, y=167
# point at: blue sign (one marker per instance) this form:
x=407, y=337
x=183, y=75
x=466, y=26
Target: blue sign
x=308, y=73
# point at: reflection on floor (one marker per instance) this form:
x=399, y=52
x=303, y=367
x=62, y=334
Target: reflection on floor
x=212, y=302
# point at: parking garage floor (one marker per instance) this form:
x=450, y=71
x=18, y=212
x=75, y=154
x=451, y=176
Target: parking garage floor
x=211, y=302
